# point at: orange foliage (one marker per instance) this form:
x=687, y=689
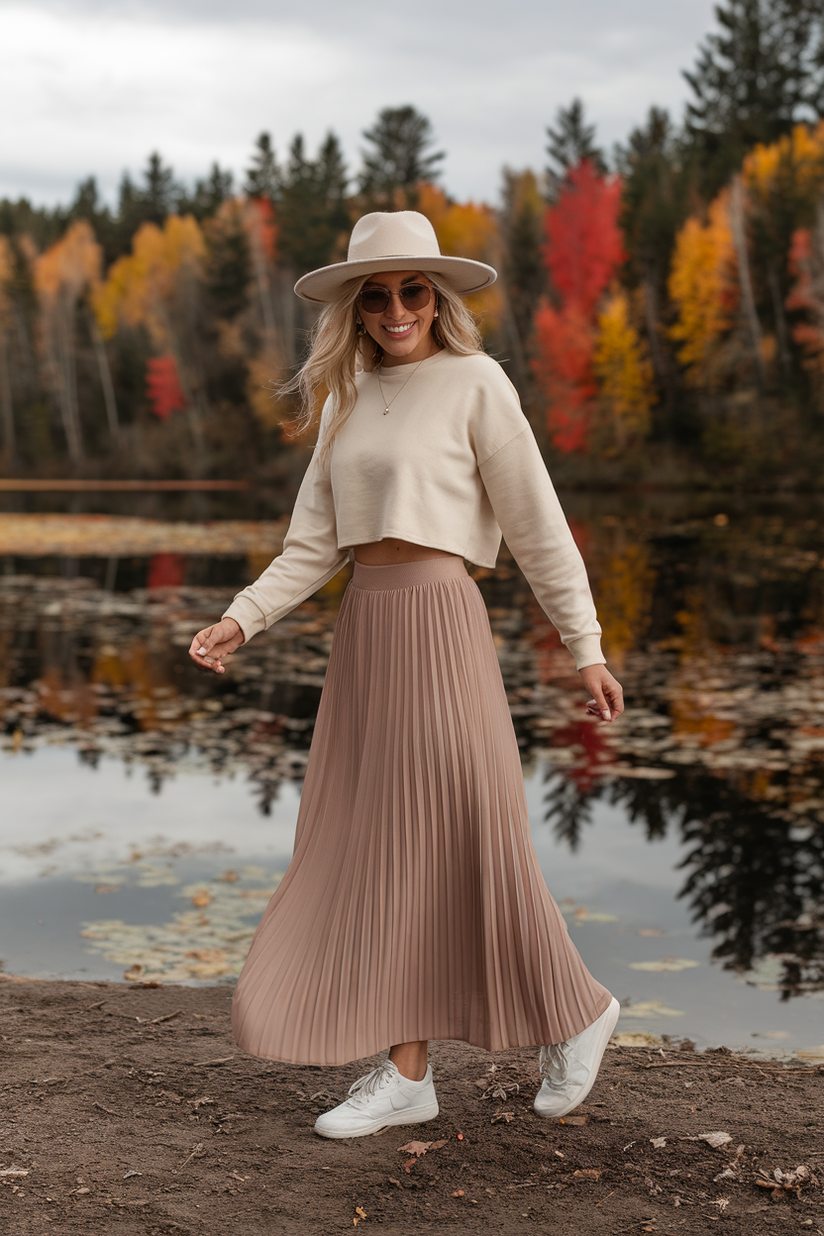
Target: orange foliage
x=798, y=155
x=465, y=229
x=70, y=266
x=704, y=288
x=142, y=288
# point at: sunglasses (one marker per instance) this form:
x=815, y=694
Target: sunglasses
x=413, y=296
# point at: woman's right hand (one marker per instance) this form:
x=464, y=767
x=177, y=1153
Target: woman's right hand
x=212, y=644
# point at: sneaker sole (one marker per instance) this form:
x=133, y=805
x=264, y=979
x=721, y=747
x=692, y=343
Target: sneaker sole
x=613, y=1013
x=415, y=1115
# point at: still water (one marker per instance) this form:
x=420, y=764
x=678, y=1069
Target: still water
x=147, y=812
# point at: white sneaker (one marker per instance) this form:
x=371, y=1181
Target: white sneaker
x=381, y=1098
x=569, y=1069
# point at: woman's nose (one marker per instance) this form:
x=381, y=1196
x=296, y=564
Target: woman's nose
x=395, y=307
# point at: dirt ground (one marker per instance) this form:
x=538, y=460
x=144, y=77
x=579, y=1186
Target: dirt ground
x=127, y=1110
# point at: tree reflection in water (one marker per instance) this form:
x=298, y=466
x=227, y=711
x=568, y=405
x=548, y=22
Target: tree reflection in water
x=754, y=880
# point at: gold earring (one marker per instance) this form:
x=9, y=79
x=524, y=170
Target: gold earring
x=360, y=326
x=435, y=314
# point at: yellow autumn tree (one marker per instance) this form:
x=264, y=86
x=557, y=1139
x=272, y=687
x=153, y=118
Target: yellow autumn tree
x=624, y=374
x=465, y=229
x=63, y=275
x=157, y=286
x=798, y=155
x=703, y=287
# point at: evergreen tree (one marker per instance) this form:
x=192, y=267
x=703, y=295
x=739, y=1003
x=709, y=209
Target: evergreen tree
x=761, y=72
x=311, y=210
x=209, y=195
x=398, y=158
x=152, y=203
x=262, y=178
x=571, y=141
x=522, y=233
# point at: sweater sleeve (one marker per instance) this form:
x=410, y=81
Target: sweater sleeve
x=310, y=557
x=535, y=529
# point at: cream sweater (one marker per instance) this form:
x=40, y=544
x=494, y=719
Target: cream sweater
x=451, y=466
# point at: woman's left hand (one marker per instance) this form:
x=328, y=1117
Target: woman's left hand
x=607, y=701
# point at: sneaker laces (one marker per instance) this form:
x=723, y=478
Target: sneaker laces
x=366, y=1086
x=554, y=1062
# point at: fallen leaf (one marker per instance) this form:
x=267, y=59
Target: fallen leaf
x=574, y=1120
x=588, y=1173
x=459, y=1193
x=714, y=1139
x=202, y=898
x=409, y=1164
x=420, y=1148
x=14, y=1171
x=658, y=1142
x=506, y=1117
x=360, y=1213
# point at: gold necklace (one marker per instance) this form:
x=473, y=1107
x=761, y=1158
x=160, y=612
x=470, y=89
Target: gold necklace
x=394, y=397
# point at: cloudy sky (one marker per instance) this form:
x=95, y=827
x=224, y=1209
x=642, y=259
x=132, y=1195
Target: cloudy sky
x=92, y=86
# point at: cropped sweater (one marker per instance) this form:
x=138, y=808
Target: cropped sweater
x=452, y=466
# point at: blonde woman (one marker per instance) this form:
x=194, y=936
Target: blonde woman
x=414, y=907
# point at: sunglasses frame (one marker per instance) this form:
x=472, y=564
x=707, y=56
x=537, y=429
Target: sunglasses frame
x=408, y=288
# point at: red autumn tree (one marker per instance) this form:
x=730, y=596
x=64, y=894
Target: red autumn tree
x=163, y=387
x=582, y=253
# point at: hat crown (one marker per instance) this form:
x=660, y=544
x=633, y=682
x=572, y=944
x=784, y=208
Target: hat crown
x=393, y=234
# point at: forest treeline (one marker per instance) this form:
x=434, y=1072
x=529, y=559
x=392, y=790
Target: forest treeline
x=660, y=307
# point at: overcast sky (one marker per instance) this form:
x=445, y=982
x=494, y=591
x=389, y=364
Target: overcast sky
x=92, y=86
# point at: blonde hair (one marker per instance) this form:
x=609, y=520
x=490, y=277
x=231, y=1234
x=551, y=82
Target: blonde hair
x=337, y=351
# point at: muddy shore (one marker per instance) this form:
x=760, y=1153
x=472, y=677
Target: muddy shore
x=128, y=1110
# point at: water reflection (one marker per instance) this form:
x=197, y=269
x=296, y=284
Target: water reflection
x=716, y=624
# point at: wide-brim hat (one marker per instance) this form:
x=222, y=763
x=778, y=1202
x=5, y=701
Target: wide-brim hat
x=394, y=240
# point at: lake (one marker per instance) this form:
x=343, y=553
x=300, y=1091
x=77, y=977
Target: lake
x=148, y=811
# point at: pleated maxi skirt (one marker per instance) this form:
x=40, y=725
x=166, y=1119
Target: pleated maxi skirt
x=413, y=907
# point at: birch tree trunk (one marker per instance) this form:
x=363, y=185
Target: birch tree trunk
x=105, y=378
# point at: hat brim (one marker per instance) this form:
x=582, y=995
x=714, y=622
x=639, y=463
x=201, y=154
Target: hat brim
x=462, y=274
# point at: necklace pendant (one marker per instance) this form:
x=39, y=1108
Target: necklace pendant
x=385, y=411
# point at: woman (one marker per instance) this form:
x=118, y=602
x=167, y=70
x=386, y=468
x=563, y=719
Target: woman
x=413, y=907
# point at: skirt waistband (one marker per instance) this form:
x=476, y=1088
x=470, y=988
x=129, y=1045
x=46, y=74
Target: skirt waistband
x=407, y=574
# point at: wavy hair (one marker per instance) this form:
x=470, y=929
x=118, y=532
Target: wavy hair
x=337, y=351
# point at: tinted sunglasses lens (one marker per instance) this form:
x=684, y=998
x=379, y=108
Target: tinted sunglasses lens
x=373, y=300
x=416, y=296
x=376, y=300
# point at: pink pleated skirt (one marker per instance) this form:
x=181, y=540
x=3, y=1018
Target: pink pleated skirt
x=413, y=907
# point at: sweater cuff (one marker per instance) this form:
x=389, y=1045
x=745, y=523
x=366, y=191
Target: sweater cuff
x=586, y=650
x=248, y=617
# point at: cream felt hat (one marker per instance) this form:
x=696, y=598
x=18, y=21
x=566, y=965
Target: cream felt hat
x=394, y=240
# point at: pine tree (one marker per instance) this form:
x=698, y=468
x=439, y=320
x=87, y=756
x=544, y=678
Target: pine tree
x=263, y=178
x=209, y=195
x=398, y=158
x=761, y=72
x=572, y=141
x=152, y=203
x=311, y=211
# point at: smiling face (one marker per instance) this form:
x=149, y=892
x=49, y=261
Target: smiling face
x=405, y=335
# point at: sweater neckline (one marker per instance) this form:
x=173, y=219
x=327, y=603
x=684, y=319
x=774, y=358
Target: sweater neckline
x=386, y=375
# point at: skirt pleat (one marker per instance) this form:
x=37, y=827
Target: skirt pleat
x=414, y=906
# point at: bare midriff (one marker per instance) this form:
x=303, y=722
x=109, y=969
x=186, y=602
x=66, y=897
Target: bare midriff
x=389, y=551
